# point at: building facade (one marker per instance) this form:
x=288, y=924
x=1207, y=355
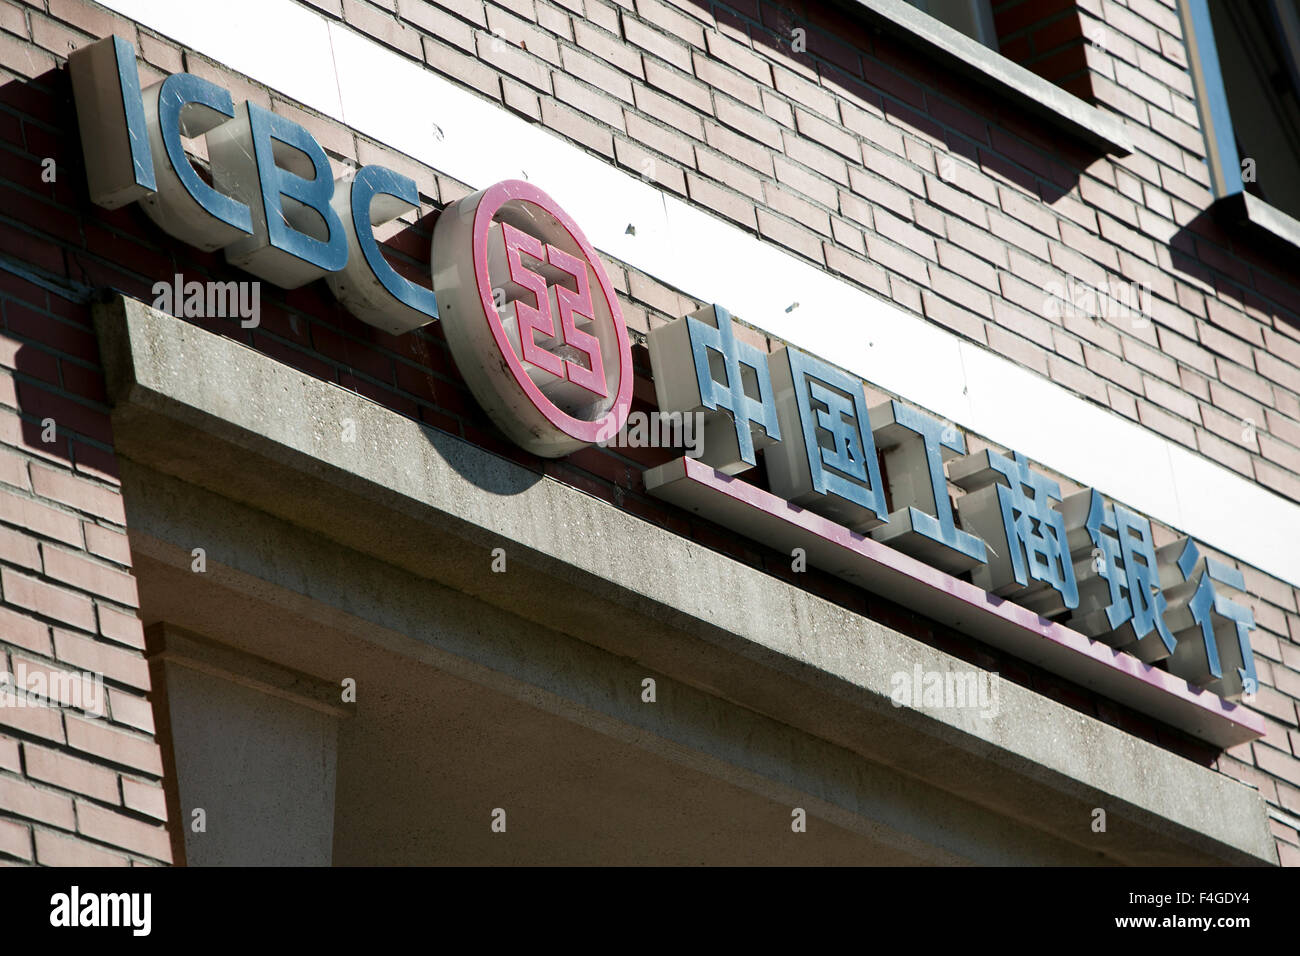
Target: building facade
x=292, y=572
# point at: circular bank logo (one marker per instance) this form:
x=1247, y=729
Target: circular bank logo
x=533, y=323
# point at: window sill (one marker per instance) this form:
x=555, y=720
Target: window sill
x=989, y=68
x=1255, y=215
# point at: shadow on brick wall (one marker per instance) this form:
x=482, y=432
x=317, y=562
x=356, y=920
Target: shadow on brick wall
x=1245, y=266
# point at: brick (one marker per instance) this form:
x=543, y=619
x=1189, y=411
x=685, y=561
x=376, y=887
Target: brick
x=22, y=58
x=15, y=840
x=9, y=755
x=881, y=192
x=660, y=139
x=598, y=74
x=114, y=828
x=91, y=19
x=1284, y=483
x=848, y=236
x=433, y=18
x=787, y=203
x=801, y=91
x=24, y=631
x=34, y=516
x=1172, y=399
x=1171, y=427
x=382, y=27
x=952, y=316
x=788, y=234
x=946, y=197
x=721, y=77
x=13, y=19
x=898, y=260
x=70, y=773
x=55, y=850
x=520, y=99
x=577, y=127
x=739, y=148
x=612, y=49
x=718, y=167
x=750, y=122
x=1077, y=379
x=1017, y=348
x=107, y=543
x=44, y=722
x=802, y=181
x=24, y=800
x=667, y=48
x=589, y=102
x=828, y=134
x=680, y=86
x=507, y=58
x=741, y=57
x=13, y=470
x=133, y=711
x=1149, y=359
x=856, y=268
x=335, y=137
x=1277, y=763
x=47, y=599
x=90, y=575
x=114, y=745
x=115, y=663
x=664, y=17
x=144, y=798
x=602, y=14
x=905, y=234
x=653, y=294
x=121, y=627
x=650, y=167
x=730, y=204
x=61, y=686
x=666, y=110
x=465, y=68
x=77, y=492
x=968, y=266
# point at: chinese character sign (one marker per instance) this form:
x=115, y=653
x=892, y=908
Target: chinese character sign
x=921, y=523
x=1011, y=507
x=1120, y=600
x=706, y=368
x=827, y=461
x=1212, y=631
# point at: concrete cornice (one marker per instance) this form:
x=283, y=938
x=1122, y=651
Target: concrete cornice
x=224, y=417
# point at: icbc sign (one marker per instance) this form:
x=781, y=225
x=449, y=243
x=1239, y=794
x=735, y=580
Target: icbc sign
x=533, y=324
x=531, y=318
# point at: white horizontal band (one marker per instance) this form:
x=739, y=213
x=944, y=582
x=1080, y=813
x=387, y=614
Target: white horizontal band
x=403, y=104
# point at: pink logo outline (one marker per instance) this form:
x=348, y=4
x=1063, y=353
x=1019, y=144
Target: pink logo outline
x=570, y=303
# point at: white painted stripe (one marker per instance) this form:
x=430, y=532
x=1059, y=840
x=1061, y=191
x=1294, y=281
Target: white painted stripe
x=410, y=108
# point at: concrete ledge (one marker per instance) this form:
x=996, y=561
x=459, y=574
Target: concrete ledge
x=1261, y=219
x=990, y=69
x=228, y=419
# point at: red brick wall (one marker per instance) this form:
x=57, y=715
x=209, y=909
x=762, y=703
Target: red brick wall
x=1047, y=37
x=857, y=154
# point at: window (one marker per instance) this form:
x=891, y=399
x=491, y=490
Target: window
x=1244, y=63
x=971, y=17
x=961, y=35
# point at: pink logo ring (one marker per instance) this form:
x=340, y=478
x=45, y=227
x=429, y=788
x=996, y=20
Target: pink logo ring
x=524, y=303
